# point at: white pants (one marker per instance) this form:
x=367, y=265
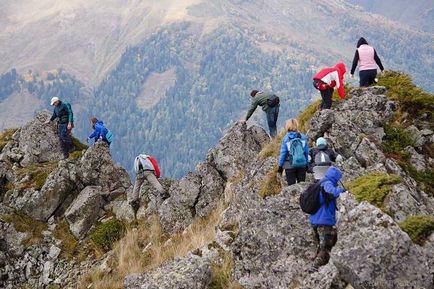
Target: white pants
x=151, y=178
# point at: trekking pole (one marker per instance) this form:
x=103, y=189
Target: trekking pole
x=343, y=186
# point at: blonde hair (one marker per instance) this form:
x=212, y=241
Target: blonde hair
x=291, y=125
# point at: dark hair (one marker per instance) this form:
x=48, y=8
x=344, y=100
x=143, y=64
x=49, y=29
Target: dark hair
x=361, y=42
x=254, y=92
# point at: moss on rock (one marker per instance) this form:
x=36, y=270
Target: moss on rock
x=395, y=141
x=418, y=227
x=68, y=243
x=373, y=187
x=25, y=224
x=35, y=175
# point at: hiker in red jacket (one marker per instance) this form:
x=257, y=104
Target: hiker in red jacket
x=326, y=80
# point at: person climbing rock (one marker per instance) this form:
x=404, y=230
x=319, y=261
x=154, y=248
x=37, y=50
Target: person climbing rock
x=367, y=59
x=321, y=158
x=294, y=154
x=270, y=105
x=326, y=80
x=100, y=132
x=145, y=167
x=65, y=123
x=323, y=222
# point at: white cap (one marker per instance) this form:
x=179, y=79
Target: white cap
x=54, y=99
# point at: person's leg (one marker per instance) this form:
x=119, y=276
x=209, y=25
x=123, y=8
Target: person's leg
x=133, y=197
x=367, y=77
x=316, y=239
x=300, y=174
x=327, y=239
x=290, y=176
x=63, y=138
x=271, y=120
x=328, y=94
x=152, y=179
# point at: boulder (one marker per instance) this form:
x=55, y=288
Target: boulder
x=191, y=271
x=84, y=211
x=416, y=160
x=38, y=142
x=372, y=251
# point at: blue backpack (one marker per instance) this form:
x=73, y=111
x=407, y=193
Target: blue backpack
x=109, y=136
x=296, y=152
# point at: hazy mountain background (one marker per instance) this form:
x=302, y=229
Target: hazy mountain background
x=168, y=77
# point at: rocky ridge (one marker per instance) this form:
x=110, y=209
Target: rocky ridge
x=268, y=239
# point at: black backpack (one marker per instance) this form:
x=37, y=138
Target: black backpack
x=310, y=201
x=273, y=101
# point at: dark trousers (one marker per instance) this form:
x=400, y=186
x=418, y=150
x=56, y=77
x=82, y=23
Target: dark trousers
x=65, y=138
x=367, y=77
x=294, y=175
x=272, y=115
x=326, y=237
x=326, y=96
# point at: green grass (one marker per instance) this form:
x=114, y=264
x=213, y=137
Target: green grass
x=270, y=185
x=419, y=228
x=25, y=224
x=68, y=243
x=6, y=136
x=35, y=174
x=411, y=99
x=306, y=115
x=373, y=188
x=78, y=145
x=107, y=233
x=395, y=141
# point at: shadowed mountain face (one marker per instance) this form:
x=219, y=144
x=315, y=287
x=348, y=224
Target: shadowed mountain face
x=169, y=77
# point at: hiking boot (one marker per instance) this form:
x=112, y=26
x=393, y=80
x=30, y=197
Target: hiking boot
x=135, y=205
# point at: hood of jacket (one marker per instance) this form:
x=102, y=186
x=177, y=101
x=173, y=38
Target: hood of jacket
x=361, y=42
x=334, y=175
x=341, y=68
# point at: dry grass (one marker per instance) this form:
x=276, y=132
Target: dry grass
x=146, y=247
x=271, y=184
x=25, y=224
x=273, y=147
x=5, y=137
x=222, y=274
x=35, y=175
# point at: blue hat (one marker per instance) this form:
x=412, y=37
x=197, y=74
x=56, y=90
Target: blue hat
x=321, y=142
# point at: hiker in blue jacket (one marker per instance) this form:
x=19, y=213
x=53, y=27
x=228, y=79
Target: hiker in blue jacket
x=100, y=131
x=324, y=220
x=294, y=154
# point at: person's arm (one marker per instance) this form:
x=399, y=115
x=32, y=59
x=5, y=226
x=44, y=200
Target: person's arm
x=355, y=62
x=252, y=109
x=283, y=152
x=70, y=115
x=306, y=150
x=54, y=116
x=331, y=189
x=378, y=60
x=93, y=134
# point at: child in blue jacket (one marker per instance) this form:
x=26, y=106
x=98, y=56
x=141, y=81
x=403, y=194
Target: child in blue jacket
x=100, y=131
x=324, y=220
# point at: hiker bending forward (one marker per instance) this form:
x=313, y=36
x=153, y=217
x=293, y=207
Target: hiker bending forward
x=145, y=167
x=294, y=154
x=270, y=105
x=326, y=80
x=99, y=133
x=324, y=220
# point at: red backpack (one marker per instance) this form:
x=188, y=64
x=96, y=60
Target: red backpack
x=155, y=165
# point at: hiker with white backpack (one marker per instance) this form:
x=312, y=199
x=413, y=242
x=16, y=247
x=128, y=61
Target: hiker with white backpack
x=100, y=132
x=145, y=167
x=294, y=154
x=321, y=158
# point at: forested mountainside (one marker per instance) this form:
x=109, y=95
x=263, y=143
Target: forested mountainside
x=184, y=84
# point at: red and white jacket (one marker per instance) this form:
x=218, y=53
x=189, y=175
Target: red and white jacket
x=333, y=77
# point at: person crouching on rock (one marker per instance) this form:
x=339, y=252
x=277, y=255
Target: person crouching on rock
x=321, y=158
x=270, y=105
x=145, y=167
x=65, y=123
x=100, y=132
x=294, y=154
x=324, y=220
x=326, y=80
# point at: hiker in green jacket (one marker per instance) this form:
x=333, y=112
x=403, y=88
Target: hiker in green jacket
x=270, y=105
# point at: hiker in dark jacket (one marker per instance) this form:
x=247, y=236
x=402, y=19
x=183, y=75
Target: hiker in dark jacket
x=65, y=123
x=293, y=172
x=321, y=158
x=270, y=105
x=326, y=80
x=100, y=131
x=367, y=59
x=324, y=220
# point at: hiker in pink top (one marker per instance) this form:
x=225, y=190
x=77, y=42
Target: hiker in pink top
x=367, y=59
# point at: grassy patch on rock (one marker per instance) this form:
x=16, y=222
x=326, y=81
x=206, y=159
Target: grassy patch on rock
x=411, y=99
x=419, y=228
x=25, y=224
x=35, y=175
x=107, y=233
x=373, y=187
x=78, y=145
x=6, y=136
x=395, y=141
x=222, y=274
x=271, y=185
x=306, y=115
x=424, y=180
x=68, y=243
